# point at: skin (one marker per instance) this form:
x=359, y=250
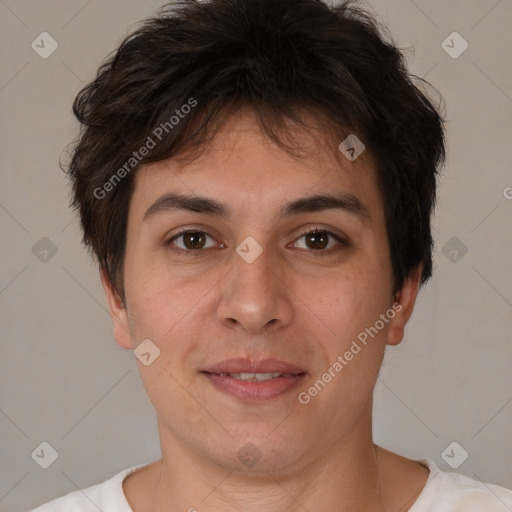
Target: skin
x=287, y=304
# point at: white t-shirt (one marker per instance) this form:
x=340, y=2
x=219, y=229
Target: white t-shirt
x=443, y=492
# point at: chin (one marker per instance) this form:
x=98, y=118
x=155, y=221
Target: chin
x=255, y=454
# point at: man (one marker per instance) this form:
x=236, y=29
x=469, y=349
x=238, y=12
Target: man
x=256, y=179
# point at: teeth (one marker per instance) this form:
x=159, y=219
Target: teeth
x=253, y=377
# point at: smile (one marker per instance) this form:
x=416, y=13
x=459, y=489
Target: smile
x=255, y=377
x=254, y=386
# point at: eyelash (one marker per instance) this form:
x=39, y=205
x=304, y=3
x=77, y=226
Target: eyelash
x=199, y=252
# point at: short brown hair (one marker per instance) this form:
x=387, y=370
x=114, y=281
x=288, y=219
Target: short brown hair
x=271, y=55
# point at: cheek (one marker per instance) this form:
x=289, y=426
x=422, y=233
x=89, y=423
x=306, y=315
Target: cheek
x=354, y=347
x=351, y=301
x=171, y=311
x=157, y=298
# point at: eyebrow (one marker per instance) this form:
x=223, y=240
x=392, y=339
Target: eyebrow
x=175, y=202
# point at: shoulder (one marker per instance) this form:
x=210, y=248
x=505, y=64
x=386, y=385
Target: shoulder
x=453, y=492
x=107, y=496
x=76, y=501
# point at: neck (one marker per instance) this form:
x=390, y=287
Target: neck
x=345, y=477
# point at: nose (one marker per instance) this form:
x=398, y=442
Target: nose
x=255, y=297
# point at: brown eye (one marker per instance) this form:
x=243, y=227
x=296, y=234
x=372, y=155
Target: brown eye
x=321, y=241
x=317, y=240
x=195, y=240
x=191, y=241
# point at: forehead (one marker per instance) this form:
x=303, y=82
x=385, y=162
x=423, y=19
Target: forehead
x=242, y=168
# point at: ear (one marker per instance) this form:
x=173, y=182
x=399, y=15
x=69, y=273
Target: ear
x=403, y=306
x=117, y=313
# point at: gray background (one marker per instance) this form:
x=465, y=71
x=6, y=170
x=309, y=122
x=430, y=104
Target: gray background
x=65, y=381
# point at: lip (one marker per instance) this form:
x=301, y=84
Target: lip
x=247, y=365
x=254, y=391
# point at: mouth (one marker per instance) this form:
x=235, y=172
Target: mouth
x=254, y=387
x=256, y=377
x=251, y=380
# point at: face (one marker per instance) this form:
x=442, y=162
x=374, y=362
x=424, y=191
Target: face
x=253, y=285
